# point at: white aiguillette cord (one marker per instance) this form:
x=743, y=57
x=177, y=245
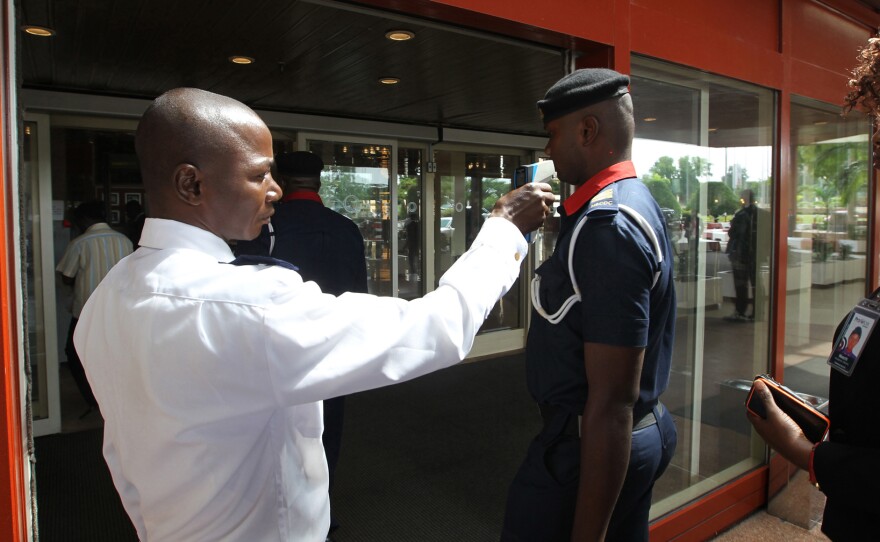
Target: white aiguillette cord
x=557, y=316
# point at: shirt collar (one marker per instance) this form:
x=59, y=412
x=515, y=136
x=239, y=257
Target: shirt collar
x=588, y=190
x=98, y=226
x=303, y=195
x=160, y=233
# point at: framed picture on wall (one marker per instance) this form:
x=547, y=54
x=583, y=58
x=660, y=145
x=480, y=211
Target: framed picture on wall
x=114, y=217
x=132, y=196
x=114, y=198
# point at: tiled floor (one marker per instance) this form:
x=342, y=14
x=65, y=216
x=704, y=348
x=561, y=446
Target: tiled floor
x=762, y=527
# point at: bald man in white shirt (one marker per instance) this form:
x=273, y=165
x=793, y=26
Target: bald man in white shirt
x=213, y=425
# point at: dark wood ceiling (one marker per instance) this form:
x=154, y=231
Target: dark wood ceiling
x=873, y=4
x=311, y=57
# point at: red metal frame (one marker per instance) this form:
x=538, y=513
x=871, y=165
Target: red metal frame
x=12, y=486
x=715, y=512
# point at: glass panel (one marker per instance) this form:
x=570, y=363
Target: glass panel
x=827, y=236
x=356, y=183
x=467, y=185
x=410, y=235
x=88, y=164
x=702, y=142
x=36, y=325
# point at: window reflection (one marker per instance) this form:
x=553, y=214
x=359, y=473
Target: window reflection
x=355, y=183
x=827, y=236
x=410, y=234
x=467, y=185
x=702, y=143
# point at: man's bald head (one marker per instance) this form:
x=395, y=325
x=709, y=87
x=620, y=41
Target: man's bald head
x=206, y=160
x=185, y=125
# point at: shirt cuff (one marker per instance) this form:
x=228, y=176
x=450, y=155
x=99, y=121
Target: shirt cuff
x=502, y=233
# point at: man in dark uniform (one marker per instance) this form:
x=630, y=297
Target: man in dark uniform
x=326, y=247
x=598, y=364
x=742, y=246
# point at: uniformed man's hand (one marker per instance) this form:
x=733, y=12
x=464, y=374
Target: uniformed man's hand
x=526, y=206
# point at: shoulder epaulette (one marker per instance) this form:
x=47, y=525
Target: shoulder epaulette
x=603, y=204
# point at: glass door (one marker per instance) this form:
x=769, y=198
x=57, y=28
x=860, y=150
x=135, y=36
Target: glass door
x=467, y=183
x=41, y=341
x=356, y=182
x=416, y=224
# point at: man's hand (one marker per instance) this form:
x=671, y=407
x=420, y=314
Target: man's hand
x=779, y=431
x=526, y=206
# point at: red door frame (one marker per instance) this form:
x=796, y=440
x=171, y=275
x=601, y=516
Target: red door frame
x=13, y=498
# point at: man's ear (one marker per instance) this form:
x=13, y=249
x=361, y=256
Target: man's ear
x=188, y=183
x=589, y=129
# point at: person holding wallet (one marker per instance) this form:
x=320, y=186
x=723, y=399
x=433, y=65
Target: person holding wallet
x=846, y=467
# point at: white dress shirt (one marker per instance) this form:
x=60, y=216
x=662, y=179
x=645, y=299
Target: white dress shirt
x=210, y=376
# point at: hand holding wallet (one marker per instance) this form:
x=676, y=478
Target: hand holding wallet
x=812, y=422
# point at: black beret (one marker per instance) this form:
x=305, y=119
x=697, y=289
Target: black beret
x=580, y=89
x=299, y=164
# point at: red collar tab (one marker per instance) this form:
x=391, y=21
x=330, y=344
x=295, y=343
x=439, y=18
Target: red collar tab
x=303, y=194
x=588, y=190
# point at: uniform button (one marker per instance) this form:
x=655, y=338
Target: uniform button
x=516, y=256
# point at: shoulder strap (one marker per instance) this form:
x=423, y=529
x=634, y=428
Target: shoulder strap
x=566, y=306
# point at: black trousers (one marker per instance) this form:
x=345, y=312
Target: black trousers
x=542, y=498
x=744, y=274
x=334, y=414
x=76, y=368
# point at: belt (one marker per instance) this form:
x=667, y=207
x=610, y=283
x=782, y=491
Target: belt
x=573, y=423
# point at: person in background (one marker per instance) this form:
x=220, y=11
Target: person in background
x=88, y=258
x=844, y=467
x=325, y=246
x=742, y=247
x=134, y=220
x=212, y=427
x=598, y=364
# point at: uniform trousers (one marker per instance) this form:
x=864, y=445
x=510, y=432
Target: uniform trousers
x=541, y=501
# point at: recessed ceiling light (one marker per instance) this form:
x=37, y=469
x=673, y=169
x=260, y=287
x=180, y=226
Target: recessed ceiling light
x=389, y=80
x=41, y=31
x=399, y=35
x=650, y=119
x=820, y=122
x=239, y=59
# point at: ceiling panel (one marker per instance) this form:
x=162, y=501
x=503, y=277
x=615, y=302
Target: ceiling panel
x=311, y=57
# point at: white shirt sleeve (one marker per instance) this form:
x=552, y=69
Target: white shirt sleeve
x=320, y=346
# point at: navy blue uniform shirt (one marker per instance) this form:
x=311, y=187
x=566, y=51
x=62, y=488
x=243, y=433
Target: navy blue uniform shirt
x=328, y=246
x=615, y=266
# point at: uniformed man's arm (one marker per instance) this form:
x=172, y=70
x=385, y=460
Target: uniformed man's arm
x=614, y=373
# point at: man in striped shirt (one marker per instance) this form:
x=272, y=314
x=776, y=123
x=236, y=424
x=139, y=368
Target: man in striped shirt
x=86, y=261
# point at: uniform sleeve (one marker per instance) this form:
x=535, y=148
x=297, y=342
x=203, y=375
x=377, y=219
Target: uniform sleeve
x=319, y=346
x=359, y=261
x=615, y=272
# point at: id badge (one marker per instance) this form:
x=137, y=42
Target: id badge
x=854, y=335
